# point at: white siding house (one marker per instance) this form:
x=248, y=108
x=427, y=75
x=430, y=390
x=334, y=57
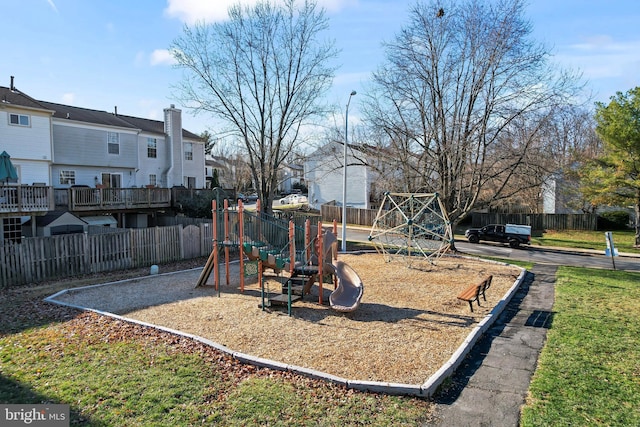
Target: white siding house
x=323, y=173
x=290, y=176
x=61, y=146
x=100, y=148
x=25, y=133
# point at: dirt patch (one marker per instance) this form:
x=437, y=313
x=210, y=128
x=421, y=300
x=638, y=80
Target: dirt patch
x=408, y=324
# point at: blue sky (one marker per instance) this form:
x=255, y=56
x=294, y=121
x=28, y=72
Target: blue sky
x=101, y=54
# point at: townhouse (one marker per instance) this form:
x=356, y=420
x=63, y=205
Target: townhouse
x=72, y=152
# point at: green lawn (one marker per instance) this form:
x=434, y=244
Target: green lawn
x=623, y=240
x=113, y=373
x=589, y=369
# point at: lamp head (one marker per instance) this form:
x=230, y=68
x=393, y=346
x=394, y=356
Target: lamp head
x=353, y=92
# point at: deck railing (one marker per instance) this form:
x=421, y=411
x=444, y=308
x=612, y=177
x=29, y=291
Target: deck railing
x=98, y=199
x=17, y=199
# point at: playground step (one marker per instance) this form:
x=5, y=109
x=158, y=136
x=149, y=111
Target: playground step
x=295, y=290
x=283, y=299
x=297, y=284
x=306, y=270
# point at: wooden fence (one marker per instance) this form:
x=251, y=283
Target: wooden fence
x=39, y=259
x=538, y=222
x=355, y=216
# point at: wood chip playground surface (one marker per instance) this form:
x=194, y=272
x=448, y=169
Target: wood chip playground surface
x=408, y=325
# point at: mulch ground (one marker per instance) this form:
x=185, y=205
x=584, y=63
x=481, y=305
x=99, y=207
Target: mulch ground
x=407, y=327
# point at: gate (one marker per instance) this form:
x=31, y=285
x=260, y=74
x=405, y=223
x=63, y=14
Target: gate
x=191, y=241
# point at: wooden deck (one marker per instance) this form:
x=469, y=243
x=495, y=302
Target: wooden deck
x=17, y=200
x=111, y=199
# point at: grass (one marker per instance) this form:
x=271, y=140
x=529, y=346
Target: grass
x=589, y=370
x=623, y=240
x=113, y=373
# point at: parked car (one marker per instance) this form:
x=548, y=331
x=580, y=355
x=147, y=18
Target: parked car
x=294, y=199
x=513, y=234
x=248, y=198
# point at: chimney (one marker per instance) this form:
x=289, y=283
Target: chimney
x=13, y=88
x=115, y=109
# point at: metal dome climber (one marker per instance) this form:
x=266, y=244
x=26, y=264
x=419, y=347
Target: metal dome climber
x=411, y=225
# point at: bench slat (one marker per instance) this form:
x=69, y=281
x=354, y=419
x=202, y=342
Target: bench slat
x=473, y=292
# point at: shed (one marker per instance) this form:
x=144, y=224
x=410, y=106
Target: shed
x=101, y=220
x=55, y=223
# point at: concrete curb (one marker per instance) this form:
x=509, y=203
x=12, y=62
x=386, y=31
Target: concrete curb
x=427, y=389
x=431, y=386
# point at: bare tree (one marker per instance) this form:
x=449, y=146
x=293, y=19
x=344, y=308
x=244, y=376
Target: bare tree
x=236, y=172
x=458, y=83
x=262, y=73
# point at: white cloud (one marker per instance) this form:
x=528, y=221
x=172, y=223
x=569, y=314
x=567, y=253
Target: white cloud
x=190, y=11
x=602, y=57
x=604, y=43
x=68, y=98
x=53, y=5
x=161, y=57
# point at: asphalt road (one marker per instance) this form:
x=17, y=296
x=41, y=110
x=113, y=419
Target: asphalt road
x=536, y=254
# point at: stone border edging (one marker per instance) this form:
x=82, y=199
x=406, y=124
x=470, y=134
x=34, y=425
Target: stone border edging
x=427, y=389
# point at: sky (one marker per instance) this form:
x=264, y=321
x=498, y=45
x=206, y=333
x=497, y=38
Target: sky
x=100, y=54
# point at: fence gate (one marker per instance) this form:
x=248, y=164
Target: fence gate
x=191, y=241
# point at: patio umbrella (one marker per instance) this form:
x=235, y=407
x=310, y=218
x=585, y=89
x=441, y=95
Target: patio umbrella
x=7, y=170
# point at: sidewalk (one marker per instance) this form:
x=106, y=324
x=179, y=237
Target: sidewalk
x=491, y=385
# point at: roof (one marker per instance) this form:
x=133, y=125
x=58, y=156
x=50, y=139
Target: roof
x=19, y=99
x=154, y=126
x=333, y=149
x=52, y=216
x=86, y=115
x=295, y=166
x=100, y=220
x=217, y=162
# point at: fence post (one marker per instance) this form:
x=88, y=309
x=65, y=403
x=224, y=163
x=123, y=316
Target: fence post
x=202, y=227
x=181, y=239
x=85, y=251
x=157, y=246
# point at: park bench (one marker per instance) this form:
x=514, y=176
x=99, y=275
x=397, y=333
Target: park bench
x=473, y=292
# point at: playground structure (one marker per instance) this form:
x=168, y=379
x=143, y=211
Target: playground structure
x=410, y=225
x=299, y=256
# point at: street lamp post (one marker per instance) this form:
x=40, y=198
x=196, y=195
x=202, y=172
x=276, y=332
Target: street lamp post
x=344, y=175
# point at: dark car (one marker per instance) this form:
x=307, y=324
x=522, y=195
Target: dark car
x=513, y=234
x=248, y=198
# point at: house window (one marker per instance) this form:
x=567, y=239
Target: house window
x=12, y=229
x=19, y=119
x=113, y=142
x=67, y=177
x=152, y=148
x=153, y=179
x=188, y=151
